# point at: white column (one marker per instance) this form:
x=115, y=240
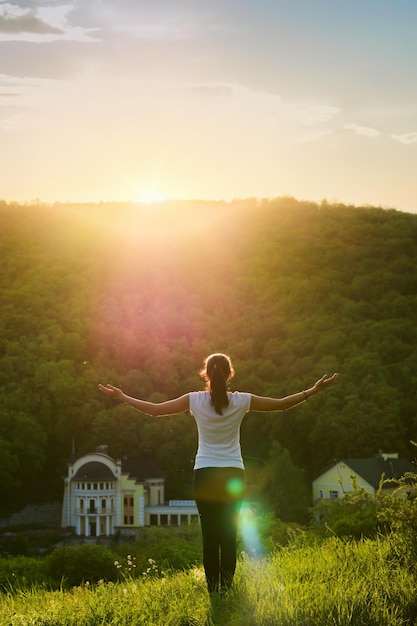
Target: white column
x=118, y=509
x=141, y=511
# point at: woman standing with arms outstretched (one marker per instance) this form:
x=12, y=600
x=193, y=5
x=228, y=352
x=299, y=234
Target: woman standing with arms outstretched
x=218, y=468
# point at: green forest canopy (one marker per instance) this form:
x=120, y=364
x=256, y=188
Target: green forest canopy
x=138, y=295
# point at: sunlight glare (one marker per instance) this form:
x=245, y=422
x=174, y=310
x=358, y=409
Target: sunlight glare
x=249, y=531
x=151, y=195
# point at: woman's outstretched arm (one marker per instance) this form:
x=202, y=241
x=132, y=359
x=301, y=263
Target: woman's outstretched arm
x=155, y=409
x=262, y=403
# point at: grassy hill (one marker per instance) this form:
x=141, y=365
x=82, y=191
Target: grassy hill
x=334, y=584
x=138, y=296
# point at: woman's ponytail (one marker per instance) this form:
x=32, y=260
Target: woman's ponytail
x=217, y=373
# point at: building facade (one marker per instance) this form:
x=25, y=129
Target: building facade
x=105, y=497
x=365, y=473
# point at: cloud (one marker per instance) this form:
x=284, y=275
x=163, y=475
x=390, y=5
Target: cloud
x=162, y=30
x=39, y=25
x=307, y=137
x=9, y=86
x=288, y=121
x=406, y=138
x=301, y=116
x=314, y=114
x=14, y=20
x=14, y=121
x=214, y=91
x=162, y=21
x=19, y=101
x=14, y=85
x=364, y=131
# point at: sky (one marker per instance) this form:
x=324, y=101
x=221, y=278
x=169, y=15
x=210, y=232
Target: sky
x=142, y=100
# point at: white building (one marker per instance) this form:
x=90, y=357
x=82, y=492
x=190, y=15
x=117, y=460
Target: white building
x=104, y=497
x=365, y=473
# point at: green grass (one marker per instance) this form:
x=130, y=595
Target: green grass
x=335, y=584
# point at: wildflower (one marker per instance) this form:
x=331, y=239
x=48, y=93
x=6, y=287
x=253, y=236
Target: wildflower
x=130, y=562
x=198, y=574
x=152, y=570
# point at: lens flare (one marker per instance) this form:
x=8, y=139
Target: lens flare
x=249, y=530
x=235, y=487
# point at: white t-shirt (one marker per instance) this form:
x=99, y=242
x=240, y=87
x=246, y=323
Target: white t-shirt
x=219, y=435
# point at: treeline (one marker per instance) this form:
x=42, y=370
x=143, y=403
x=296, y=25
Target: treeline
x=138, y=295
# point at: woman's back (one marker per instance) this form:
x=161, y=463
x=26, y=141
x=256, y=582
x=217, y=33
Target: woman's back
x=219, y=435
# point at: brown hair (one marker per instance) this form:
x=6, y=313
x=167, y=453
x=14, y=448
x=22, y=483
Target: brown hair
x=217, y=372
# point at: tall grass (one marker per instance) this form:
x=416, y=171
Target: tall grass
x=338, y=583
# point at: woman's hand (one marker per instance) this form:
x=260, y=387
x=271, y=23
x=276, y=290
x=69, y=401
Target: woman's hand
x=155, y=409
x=113, y=392
x=324, y=381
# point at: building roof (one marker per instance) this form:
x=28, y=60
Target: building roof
x=372, y=469
x=94, y=470
x=141, y=468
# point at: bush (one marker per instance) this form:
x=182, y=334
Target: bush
x=21, y=572
x=16, y=544
x=74, y=565
x=361, y=514
x=397, y=517
x=171, y=548
x=353, y=516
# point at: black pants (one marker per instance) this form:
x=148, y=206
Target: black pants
x=218, y=492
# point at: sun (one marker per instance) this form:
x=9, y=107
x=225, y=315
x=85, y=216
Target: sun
x=151, y=195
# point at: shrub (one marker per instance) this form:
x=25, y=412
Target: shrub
x=16, y=544
x=74, y=565
x=261, y=532
x=171, y=548
x=397, y=516
x=21, y=572
x=361, y=514
x=353, y=516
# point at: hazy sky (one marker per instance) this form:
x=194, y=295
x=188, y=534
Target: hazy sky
x=216, y=99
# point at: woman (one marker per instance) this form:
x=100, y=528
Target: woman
x=218, y=468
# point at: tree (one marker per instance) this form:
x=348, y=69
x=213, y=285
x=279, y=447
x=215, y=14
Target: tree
x=282, y=485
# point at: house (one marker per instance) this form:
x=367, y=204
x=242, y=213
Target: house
x=104, y=497
x=338, y=479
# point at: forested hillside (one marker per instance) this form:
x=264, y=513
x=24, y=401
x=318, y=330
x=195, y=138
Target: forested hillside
x=139, y=295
